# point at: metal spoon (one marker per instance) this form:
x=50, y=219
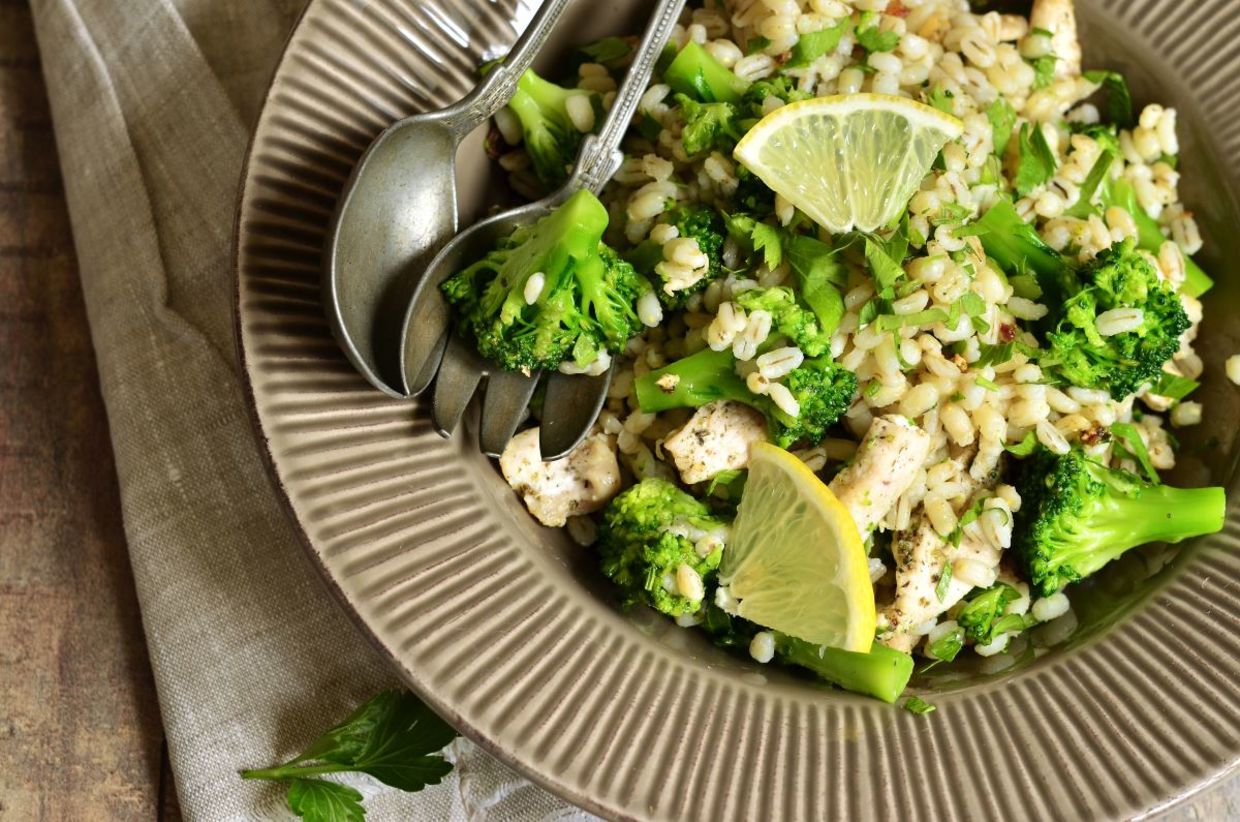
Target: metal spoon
x=572, y=403
x=398, y=208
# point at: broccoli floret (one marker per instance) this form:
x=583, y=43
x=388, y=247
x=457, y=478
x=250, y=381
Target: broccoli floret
x=708, y=126
x=1077, y=515
x=645, y=538
x=780, y=86
x=823, y=389
x=983, y=617
x=699, y=222
x=696, y=73
x=551, y=139
x=789, y=318
x=586, y=305
x=1149, y=233
x=1078, y=353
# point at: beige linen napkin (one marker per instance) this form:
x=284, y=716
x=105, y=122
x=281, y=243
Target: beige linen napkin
x=152, y=102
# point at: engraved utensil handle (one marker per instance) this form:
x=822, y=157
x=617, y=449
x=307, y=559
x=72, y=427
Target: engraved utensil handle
x=601, y=155
x=500, y=83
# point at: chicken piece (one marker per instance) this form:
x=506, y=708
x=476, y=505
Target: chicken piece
x=580, y=483
x=921, y=554
x=716, y=438
x=1059, y=18
x=885, y=466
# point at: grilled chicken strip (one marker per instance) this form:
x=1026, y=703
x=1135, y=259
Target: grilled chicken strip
x=886, y=464
x=716, y=438
x=580, y=483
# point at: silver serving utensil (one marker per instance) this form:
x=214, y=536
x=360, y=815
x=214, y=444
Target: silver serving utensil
x=398, y=208
x=432, y=353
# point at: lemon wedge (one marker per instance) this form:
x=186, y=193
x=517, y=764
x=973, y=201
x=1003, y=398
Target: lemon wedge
x=851, y=161
x=795, y=560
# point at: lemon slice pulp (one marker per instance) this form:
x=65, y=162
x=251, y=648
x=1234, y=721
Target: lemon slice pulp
x=851, y=161
x=795, y=560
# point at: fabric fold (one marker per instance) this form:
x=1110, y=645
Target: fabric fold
x=152, y=101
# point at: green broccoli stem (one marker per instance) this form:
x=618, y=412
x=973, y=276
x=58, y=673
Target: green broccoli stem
x=1150, y=237
x=1160, y=513
x=696, y=73
x=702, y=378
x=882, y=673
x=1015, y=245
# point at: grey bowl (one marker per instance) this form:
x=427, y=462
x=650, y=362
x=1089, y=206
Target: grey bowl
x=508, y=630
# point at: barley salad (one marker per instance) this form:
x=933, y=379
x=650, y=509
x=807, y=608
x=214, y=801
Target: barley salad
x=900, y=305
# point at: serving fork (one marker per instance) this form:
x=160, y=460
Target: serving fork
x=433, y=354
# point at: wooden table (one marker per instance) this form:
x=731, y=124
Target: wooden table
x=80, y=734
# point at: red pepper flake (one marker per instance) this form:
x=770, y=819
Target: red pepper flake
x=1007, y=332
x=897, y=9
x=1095, y=435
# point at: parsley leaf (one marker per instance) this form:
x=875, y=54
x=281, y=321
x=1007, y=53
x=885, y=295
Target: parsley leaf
x=886, y=269
x=1084, y=206
x=1025, y=447
x=945, y=580
x=820, y=276
x=942, y=99
x=1037, y=161
x=946, y=647
x=757, y=44
x=1128, y=441
x=813, y=45
x=1043, y=70
x=919, y=706
x=608, y=49
x=951, y=214
x=394, y=737
x=1119, y=98
x=317, y=800
x=930, y=316
x=994, y=354
x=1002, y=119
x=766, y=238
x=1174, y=386
x=874, y=39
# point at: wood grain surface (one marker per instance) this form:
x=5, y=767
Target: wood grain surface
x=80, y=735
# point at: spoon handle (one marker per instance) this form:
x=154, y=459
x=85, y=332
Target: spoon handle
x=600, y=155
x=499, y=84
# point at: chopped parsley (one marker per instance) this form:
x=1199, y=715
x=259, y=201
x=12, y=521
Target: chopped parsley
x=1119, y=98
x=1043, y=70
x=757, y=44
x=919, y=706
x=1174, y=386
x=813, y=45
x=1002, y=119
x=1037, y=161
x=945, y=581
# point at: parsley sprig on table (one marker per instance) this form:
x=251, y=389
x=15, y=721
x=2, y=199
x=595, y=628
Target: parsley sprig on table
x=393, y=737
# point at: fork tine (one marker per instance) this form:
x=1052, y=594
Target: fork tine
x=423, y=380
x=426, y=327
x=460, y=371
x=571, y=406
x=504, y=406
